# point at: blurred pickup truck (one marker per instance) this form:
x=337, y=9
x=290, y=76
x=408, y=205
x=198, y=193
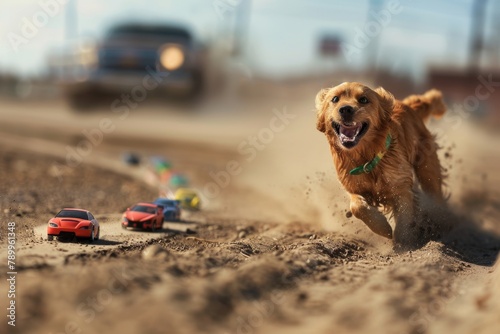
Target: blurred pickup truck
x=164, y=60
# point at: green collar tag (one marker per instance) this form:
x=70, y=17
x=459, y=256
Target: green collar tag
x=370, y=165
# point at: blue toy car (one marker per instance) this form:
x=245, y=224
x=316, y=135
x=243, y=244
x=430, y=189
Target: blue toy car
x=171, y=209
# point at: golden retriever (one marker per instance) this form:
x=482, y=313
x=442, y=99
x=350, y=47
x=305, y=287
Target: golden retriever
x=379, y=147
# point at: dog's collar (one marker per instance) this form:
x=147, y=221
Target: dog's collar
x=370, y=165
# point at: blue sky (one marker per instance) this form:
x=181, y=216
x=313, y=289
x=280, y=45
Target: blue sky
x=282, y=37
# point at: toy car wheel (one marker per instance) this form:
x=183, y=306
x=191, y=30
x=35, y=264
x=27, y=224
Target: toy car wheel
x=153, y=228
x=92, y=236
x=98, y=234
x=50, y=237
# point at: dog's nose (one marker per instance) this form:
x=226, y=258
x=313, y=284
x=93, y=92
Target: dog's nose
x=346, y=111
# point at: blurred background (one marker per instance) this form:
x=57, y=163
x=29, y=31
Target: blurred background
x=192, y=80
x=73, y=49
x=218, y=96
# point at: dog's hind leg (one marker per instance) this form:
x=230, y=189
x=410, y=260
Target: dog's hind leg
x=428, y=169
x=371, y=216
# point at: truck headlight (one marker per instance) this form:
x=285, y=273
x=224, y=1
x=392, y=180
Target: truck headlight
x=172, y=57
x=87, y=55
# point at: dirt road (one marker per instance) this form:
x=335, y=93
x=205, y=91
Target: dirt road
x=272, y=252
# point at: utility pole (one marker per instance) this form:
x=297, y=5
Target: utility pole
x=71, y=20
x=241, y=26
x=476, y=44
x=373, y=48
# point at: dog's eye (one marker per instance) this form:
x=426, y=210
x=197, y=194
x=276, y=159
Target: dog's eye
x=363, y=100
x=335, y=99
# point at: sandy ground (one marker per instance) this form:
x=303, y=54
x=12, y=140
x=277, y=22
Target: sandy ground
x=272, y=251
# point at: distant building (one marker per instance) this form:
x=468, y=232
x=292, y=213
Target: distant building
x=478, y=93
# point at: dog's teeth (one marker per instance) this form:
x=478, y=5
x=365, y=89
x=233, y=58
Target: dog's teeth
x=344, y=138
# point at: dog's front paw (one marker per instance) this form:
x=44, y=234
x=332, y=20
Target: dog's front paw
x=370, y=215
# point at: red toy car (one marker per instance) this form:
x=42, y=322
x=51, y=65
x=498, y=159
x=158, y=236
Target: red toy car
x=147, y=216
x=71, y=222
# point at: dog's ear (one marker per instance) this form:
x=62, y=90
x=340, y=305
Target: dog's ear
x=386, y=101
x=320, y=110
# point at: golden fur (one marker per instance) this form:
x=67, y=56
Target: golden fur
x=351, y=108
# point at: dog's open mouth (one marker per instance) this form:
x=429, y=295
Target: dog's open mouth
x=350, y=133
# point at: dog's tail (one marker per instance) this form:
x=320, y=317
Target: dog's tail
x=426, y=105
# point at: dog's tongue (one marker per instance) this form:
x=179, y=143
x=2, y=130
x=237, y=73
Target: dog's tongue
x=350, y=132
